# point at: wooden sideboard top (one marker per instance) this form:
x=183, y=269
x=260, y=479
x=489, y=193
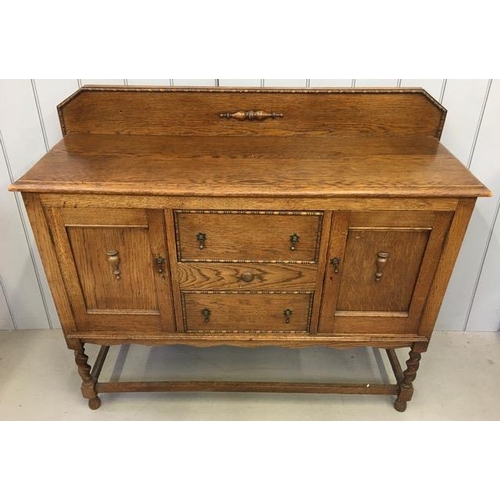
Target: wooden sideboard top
x=255, y=166
x=328, y=143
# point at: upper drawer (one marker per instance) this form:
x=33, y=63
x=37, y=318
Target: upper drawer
x=248, y=236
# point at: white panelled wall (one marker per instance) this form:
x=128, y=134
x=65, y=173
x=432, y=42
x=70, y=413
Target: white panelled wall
x=29, y=126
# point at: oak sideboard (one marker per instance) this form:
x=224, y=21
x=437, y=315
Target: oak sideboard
x=249, y=217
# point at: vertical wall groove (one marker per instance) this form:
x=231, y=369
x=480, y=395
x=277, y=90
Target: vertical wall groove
x=497, y=208
x=481, y=266
x=7, y=303
x=31, y=250
x=480, y=121
x=443, y=90
x=40, y=115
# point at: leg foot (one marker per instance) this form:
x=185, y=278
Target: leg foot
x=400, y=405
x=95, y=403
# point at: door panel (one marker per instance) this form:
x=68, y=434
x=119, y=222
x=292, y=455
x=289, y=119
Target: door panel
x=374, y=283
x=381, y=267
x=108, y=259
x=124, y=280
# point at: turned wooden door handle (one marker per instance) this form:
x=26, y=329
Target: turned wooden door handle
x=114, y=262
x=381, y=262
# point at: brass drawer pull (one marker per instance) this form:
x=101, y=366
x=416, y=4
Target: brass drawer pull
x=288, y=314
x=206, y=314
x=335, y=262
x=381, y=262
x=202, y=238
x=247, y=277
x=159, y=261
x=114, y=261
x=294, y=239
x=251, y=115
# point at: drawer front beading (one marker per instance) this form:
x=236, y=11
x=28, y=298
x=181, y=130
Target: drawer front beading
x=249, y=276
x=252, y=312
x=247, y=236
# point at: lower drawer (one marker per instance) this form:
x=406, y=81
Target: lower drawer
x=247, y=312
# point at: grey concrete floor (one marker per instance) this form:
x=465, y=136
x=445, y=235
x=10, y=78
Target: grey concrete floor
x=457, y=380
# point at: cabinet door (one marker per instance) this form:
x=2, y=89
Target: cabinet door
x=380, y=269
x=115, y=267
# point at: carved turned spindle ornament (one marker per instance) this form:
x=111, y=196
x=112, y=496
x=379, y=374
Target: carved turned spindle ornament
x=251, y=115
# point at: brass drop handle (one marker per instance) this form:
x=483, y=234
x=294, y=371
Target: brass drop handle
x=381, y=262
x=206, y=314
x=288, y=315
x=335, y=262
x=294, y=239
x=159, y=261
x=202, y=238
x=114, y=262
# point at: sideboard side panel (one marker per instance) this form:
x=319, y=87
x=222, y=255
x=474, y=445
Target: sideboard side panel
x=46, y=248
x=449, y=256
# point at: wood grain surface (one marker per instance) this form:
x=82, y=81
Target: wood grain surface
x=337, y=224
x=256, y=166
x=248, y=236
x=195, y=111
x=360, y=291
x=137, y=296
x=242, y=312
x=353, y=300
x=246, y=276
